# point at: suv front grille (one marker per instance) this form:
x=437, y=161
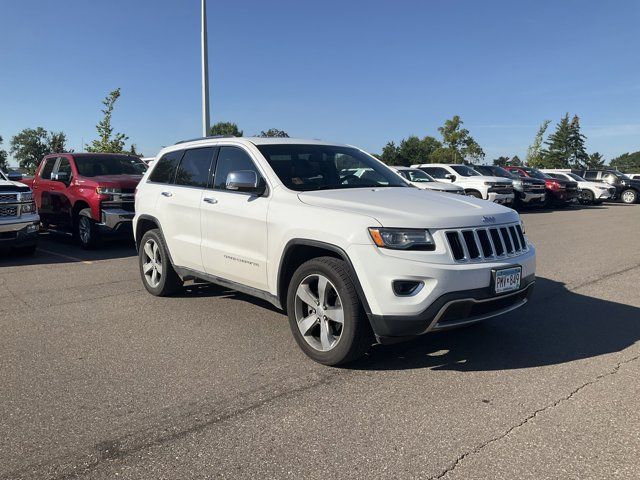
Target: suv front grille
x=8, y=197
x=8, y=211
x=486, y=243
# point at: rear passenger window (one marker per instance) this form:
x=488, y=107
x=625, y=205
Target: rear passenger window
x=165, y=169
x=45, y=173
x=591, y=175
x=195, y=167
x=232, y=159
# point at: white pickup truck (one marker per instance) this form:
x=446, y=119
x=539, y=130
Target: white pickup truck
x=19, y=221
x=351, y=258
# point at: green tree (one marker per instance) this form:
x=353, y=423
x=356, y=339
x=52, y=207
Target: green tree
x=594, y=160
x=627, y=162
x=226, y=128
x=390, y=154
x=534, y=156
x=134, y=151
x=515, y=161
x=274, y=133
x=4, y=164
x=578, y=154
x=458, y=141
x=31, y=144
x=107, y=141
x=558, y=152
x=501, y=161
x=413, y=150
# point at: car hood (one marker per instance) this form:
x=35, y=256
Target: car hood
x=411, y=207
x=447, y=187
x=484, y=178
x=119, y=181
x=6, y=185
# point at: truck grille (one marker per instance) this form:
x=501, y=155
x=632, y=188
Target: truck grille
x=534, y=188
x=502, y=189
x=486, y=243
x=8, y=197
x=8, y=211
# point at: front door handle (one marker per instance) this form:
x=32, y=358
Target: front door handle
x=167, y=194
x=210, y=200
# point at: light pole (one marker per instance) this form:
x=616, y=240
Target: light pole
x=205, y=73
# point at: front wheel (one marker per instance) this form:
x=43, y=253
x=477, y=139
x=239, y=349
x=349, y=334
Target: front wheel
x=629, y=196
x=325, y=314
x=474, y=193
x=86, y=232
x=587, y=197
x=158, y=275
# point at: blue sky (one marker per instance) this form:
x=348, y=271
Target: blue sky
x=360, y=72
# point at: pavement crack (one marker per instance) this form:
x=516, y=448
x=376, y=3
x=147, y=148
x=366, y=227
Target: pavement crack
x=461, y=458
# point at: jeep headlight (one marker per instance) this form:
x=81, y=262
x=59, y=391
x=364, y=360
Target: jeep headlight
x=402, y=238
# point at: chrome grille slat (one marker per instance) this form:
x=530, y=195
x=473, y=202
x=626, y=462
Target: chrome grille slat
x=512, y=243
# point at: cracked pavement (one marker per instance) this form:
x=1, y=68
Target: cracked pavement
x=100, y=380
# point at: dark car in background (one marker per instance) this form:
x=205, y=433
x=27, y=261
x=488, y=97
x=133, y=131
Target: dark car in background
x=627, y=189
x=558, y=192
x=528, y=191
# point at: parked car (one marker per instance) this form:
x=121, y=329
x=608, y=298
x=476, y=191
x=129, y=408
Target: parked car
x=627, y=189
x=87, y=194
x=18, y=218
x=591, y=193
x=420, y=179
x=633, y=176
x=350, y=259
x=558, y=192
x=528, y=191
x=494, y=189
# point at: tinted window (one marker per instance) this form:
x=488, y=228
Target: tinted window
x=436, y=172
x=165, y=168
x=195, y=167
x=304, y=167
x=465, y=171
x=591, y=175
x=232, y=159
x=94, y=165
x=64, y=166
x=45, y=173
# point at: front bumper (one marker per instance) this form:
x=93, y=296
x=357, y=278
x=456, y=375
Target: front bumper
x=20, y=234
x=532, y=197
x=115, y=219
x=604, y=194
x=502, y=198
x=564, y=196
x=451, y=310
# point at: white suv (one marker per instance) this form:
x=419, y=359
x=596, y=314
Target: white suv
x=350, y=259
x=494, y=189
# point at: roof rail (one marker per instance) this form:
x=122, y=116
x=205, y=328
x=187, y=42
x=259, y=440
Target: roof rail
x=205, y=138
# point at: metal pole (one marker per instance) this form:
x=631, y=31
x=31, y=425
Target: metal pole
x=205, y=73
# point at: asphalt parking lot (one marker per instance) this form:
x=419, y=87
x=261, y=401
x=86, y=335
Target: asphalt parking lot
x=100, y=379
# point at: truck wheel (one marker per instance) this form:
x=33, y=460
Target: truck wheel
x=629, y=196
x=158, y=275
x=325, y=314
x=474, y=193
x=86, y=232
x=587, y=197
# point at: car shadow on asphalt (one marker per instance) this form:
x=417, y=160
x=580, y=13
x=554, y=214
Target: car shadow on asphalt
x=203, y=289
x=56, y=248
x=557, y=326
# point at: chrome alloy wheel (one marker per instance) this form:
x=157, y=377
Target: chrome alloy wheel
x=628, y=196
x=84, y=229
x=319, y=312
x=152, y=263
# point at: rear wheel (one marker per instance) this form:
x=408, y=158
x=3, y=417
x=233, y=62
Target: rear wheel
x=629, y=196
x=325, y=314
x=158, y=275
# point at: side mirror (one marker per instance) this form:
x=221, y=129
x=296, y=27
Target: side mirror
x=244, y=181
x=450, y=177
x=60, y=177
x=14, y=176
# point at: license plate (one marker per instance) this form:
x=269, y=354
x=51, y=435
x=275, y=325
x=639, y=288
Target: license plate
x=507, y=279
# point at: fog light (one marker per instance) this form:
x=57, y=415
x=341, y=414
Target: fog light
x=32, y=228
x=406, y=288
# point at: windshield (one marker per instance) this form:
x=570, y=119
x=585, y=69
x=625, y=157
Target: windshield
x=3, y=176
x=538, y=174
x=575, y=177
x=465, y=171
x=324, y=167
x=418, y=176
x=495, y=171
x=95, y=165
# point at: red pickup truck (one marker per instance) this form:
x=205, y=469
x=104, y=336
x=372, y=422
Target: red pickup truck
x=86, y=194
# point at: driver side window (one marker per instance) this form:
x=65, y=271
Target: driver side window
x=232, y=159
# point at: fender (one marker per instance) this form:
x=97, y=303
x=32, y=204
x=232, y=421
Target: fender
x=327, y=246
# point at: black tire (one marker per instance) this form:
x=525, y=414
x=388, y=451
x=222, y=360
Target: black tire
x=169, y=282
x=548, y=201
x=86, y=232
x=356, y=336
x=587, y=197
x=629, y=196
x=474, y=193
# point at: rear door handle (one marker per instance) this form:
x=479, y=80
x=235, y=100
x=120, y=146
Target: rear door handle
x=167, y=194
x=210, y=200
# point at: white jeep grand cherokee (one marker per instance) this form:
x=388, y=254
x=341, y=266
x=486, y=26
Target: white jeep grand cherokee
x=350, y=259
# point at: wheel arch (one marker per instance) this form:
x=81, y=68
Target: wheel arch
x=299, y=250
x=143, y=225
